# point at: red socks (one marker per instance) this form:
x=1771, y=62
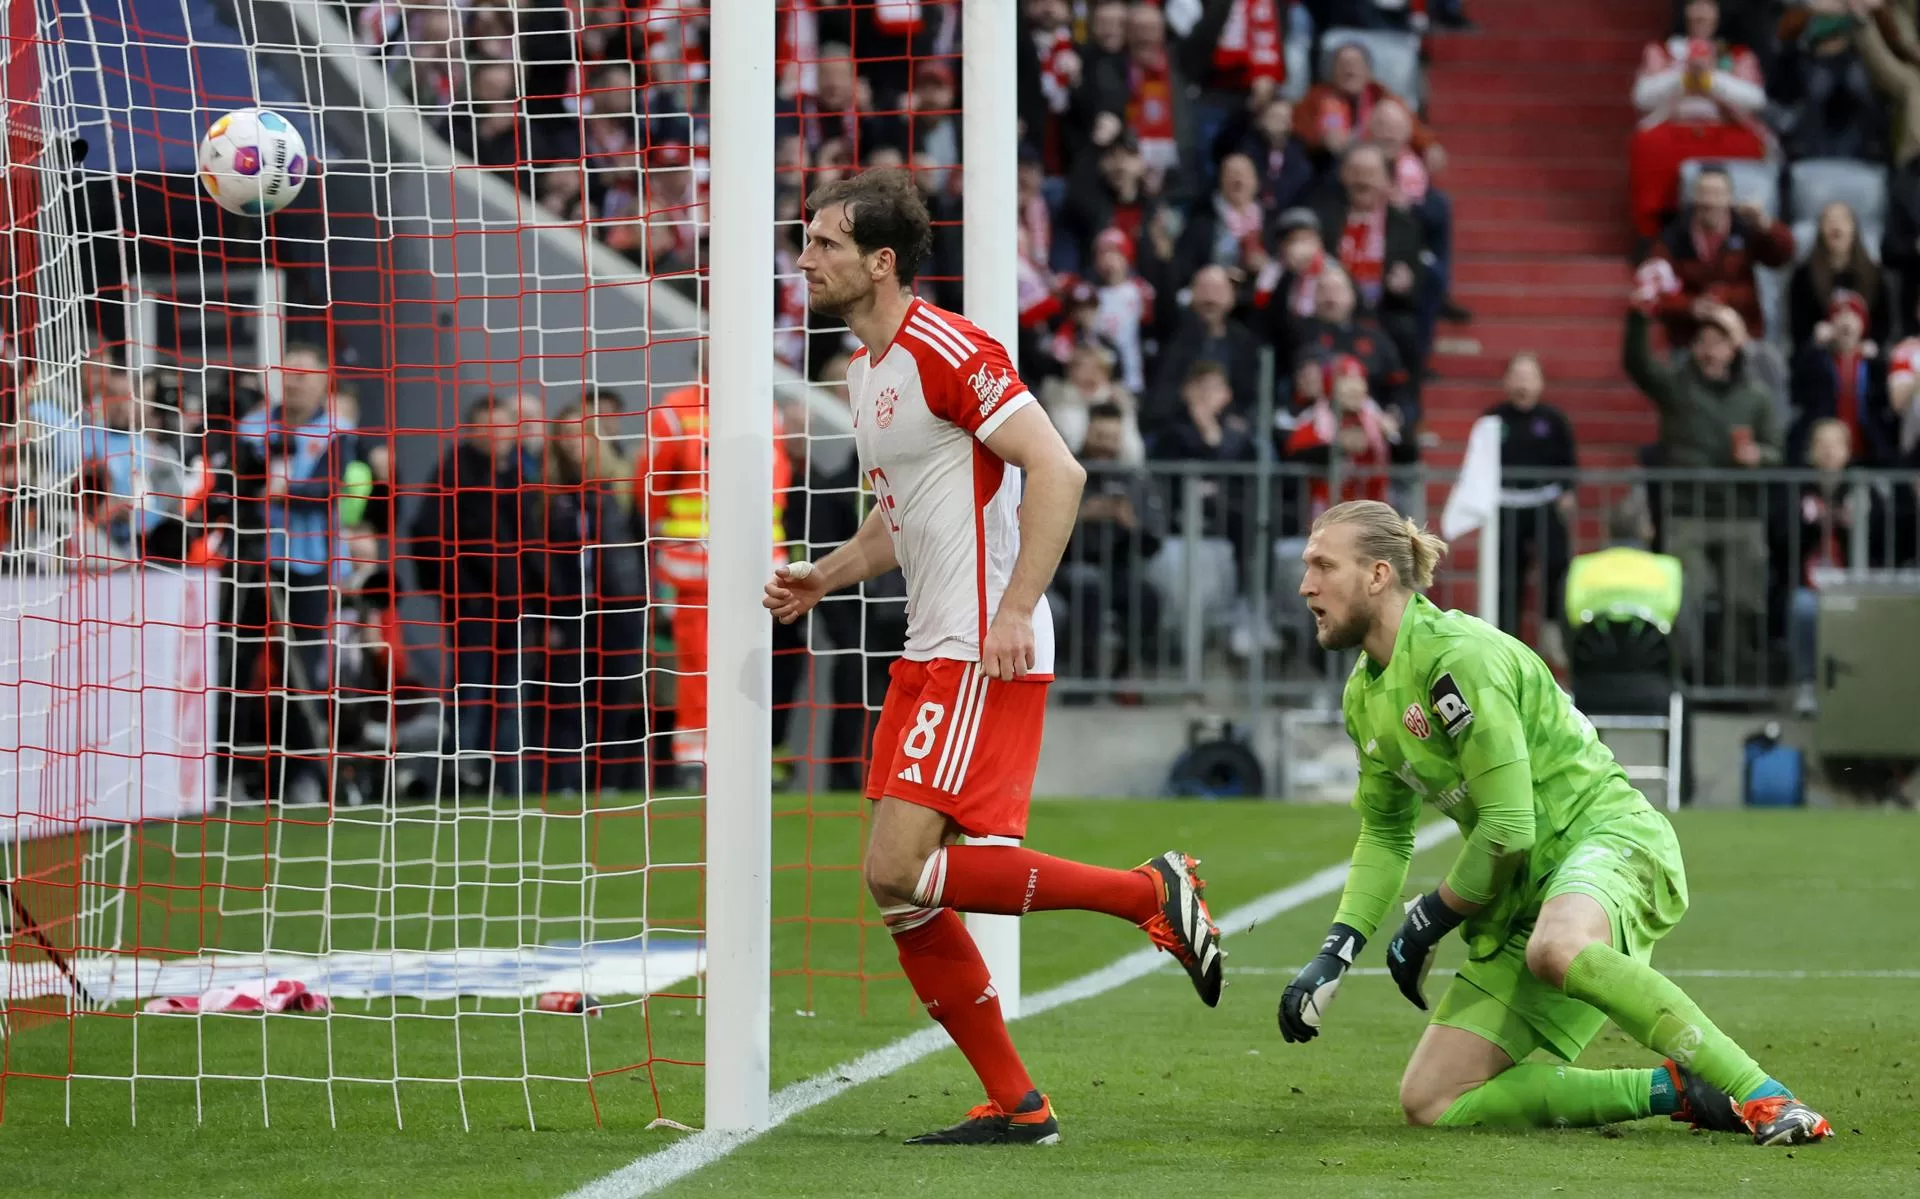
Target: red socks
x=1005, y=880
x=948, y=975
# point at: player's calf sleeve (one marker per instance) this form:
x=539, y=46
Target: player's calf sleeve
x=1653, y=1011
x=1006, y=880
x=1542, y=1095
x=947, y=973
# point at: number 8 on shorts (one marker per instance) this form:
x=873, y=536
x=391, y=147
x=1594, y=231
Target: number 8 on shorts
x=953, y=740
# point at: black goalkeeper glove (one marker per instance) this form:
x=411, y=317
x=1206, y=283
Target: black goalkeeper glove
x=1307, y=997
x=1410, y=953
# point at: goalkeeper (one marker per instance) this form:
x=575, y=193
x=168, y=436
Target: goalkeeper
x=1567, y=879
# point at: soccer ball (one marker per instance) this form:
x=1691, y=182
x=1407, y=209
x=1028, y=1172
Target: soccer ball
x=253, y=162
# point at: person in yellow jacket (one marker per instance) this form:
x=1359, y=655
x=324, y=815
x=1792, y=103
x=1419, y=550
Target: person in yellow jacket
x=1622, y=604
x=673, y=478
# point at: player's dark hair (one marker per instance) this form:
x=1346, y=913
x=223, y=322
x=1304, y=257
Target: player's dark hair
x=884, y=211
x=1383, y=535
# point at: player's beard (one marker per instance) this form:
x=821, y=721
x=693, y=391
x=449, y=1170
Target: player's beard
x=832, y=302
x=1348, y=633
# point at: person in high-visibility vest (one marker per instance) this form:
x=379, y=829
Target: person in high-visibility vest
x=1625, y=581
x=1622, y=603
x=673, y=478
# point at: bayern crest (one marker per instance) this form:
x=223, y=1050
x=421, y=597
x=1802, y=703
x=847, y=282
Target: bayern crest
x=1416, y=722
x=883, y=407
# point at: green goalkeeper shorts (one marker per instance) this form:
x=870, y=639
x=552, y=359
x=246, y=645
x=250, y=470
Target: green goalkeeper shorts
x=1632, y=866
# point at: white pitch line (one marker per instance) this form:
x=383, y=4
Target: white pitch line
x=648, y=1174
x=1290, y=971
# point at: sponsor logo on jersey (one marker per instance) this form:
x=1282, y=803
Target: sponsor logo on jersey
x=989, y=389
x=883, y=407
x=1412, y=779
x=1447, y=800
x=1416, y=722
x=1450, y=706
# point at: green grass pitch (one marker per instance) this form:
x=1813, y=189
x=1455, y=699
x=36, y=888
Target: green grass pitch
x=1156, y=1093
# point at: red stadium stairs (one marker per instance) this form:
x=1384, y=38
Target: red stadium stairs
x=1536, y=114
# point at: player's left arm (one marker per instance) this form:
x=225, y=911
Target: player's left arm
x=1475, y=707
x=1049, y=507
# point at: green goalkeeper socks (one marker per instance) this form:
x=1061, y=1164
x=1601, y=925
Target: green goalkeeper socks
x=1651, y=1010
x=1541, y=1095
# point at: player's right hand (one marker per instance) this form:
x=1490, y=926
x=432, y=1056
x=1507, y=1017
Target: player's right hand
x=793, y=591
x=1306, y=1000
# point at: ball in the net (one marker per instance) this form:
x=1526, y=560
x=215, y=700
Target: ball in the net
x=253, y=162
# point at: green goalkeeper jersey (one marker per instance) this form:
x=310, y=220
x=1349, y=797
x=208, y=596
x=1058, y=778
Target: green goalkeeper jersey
x=1471, y=720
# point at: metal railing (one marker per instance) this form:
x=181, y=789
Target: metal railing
x=1181, y=579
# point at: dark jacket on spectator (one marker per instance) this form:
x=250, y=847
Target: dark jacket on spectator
x=1404, y=243
x=1697, y=414
x=1287, y=171
x=1237, y=350
x=1539, y=443
x=1726, y=277
x=1388, y=381
x=1179, y=440
x=471, y=533
x=1806, y=307
x=1091, y=207
x=1831, y=110
x=1816, y=397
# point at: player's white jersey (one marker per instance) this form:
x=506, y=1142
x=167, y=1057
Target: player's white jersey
x=921, y=416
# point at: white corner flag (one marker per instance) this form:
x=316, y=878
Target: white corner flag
x=1474, y=503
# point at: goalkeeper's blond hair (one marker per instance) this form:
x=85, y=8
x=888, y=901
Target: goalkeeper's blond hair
x=1383, y=535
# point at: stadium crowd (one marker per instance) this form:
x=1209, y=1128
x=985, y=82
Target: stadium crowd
x=1208, y=225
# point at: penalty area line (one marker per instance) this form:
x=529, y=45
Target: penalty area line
x=647, y=1174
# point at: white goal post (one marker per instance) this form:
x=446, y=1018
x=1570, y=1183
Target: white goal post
x=739, y=814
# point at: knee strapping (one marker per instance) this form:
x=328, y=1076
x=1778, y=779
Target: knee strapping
x=905, y=917
x=933, y=879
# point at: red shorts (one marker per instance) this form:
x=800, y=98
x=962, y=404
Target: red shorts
x=953, y=740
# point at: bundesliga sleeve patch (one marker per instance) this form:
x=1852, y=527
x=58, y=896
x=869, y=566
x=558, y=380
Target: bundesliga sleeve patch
x=1450, y=706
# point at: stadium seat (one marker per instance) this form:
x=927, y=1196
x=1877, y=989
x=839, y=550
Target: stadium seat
x=1861, y=186
x=1396, y=59
x=1299, y=70
x=1752, y=180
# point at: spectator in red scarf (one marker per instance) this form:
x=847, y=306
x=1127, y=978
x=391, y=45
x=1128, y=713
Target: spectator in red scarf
x=1413, y=190
x=1157, y=114
x=1378, y=244
x=1338, y=329
x=1229, y=230
x=1713, y=248
x=1842, y=379
x=1838, y=261
x=1048, y=71
x=1334, y=115
x=1233, y=50
x=1343, y=424
x=1699, y=97
x=1300, y=258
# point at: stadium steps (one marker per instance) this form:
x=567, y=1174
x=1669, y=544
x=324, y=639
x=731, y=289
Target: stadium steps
x=1534, y=111
x=1536, y=116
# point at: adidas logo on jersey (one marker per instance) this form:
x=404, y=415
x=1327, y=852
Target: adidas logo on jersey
x=911, y=773
x=989, y=389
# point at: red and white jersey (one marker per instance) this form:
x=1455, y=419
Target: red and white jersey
x=921, y=417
